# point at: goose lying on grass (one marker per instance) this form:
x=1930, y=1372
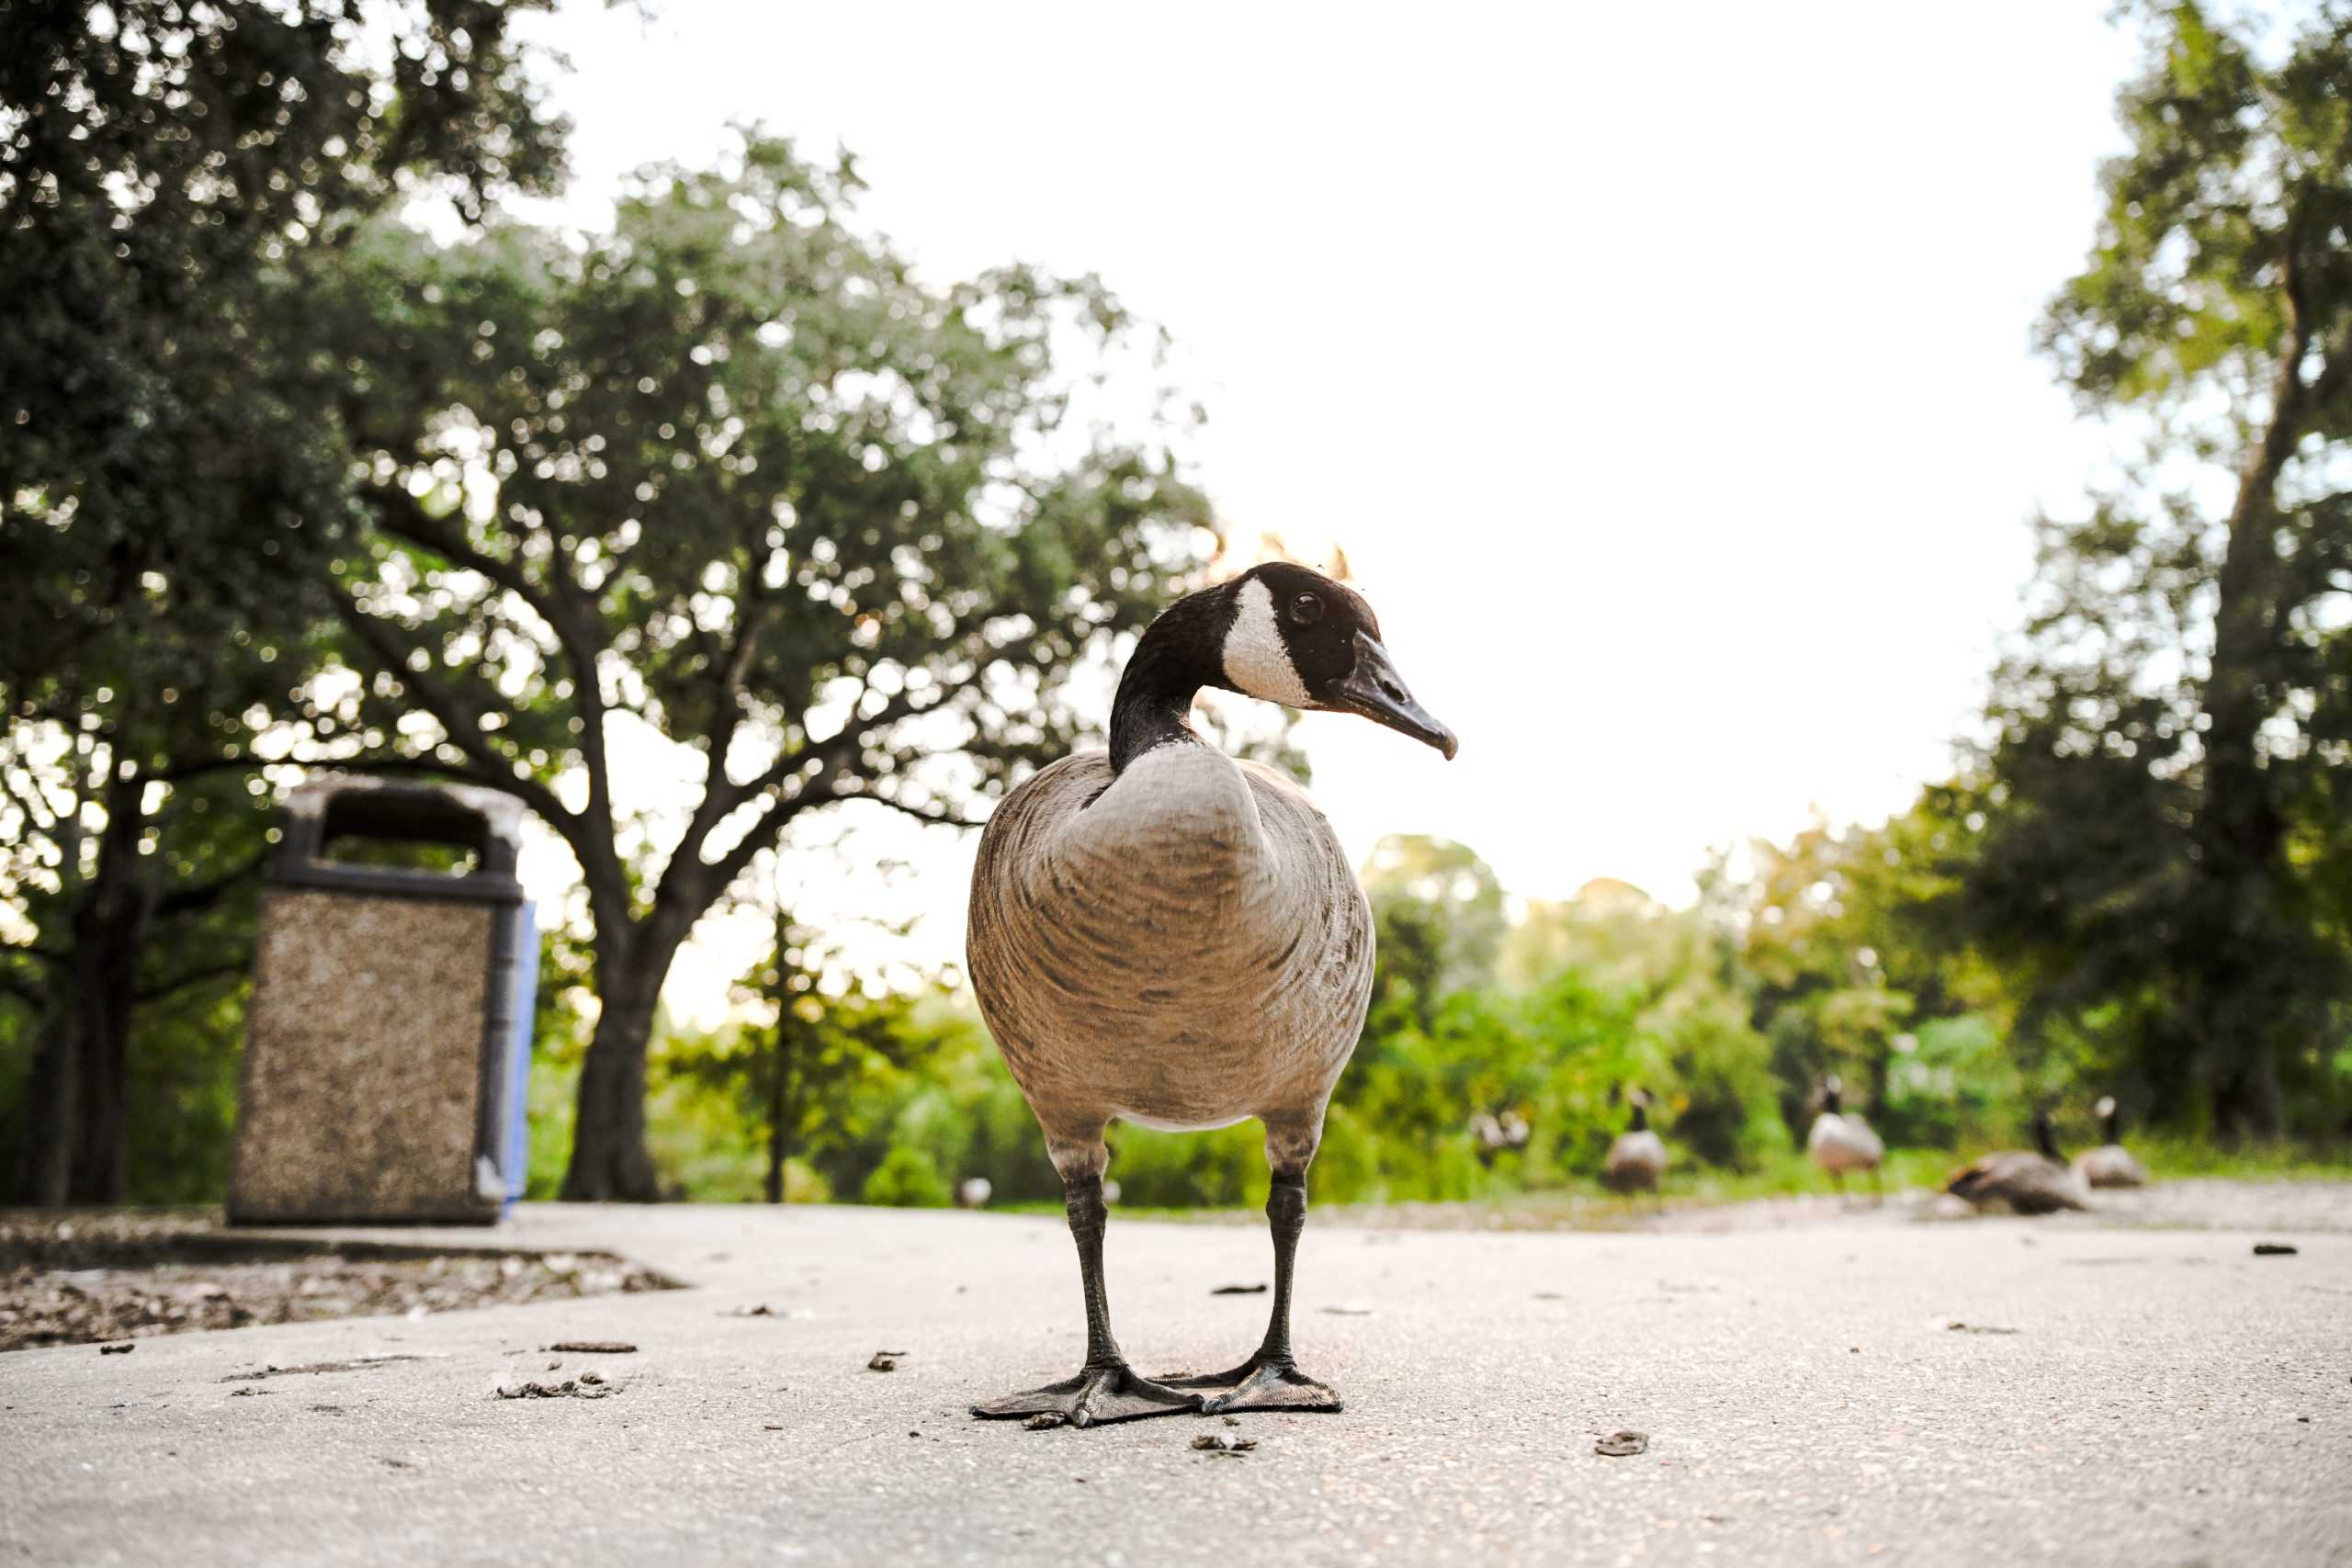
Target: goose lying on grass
x=1167, y=936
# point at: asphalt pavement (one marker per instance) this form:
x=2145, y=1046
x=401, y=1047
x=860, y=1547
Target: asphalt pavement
x=1863, y=1387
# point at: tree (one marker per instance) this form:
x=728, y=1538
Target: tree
x=165, y=464
x=796, y=1073
x=121, y=829
x=1843, y=953
x=730, y=487
x=2164, y=844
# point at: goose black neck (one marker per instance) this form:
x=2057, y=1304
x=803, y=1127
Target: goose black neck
x=2114, y=1120
x=1641, y=1119
x=1834, y=1103
x=2045, y=1136
x=1178, y=654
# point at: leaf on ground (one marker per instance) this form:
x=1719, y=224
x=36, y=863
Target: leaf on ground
x=571, y=1388
x=2261, y=1249
x=594, y=1346
x=1956, y=1326
x=1045, y=1421
x=1218, y=1443
x=116, y=1350
x=1618, y=1445
x=1350, y=1310
x=1257, y=1290
x=884, y=1361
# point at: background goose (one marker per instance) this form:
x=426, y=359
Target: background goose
x=1840, y=1140
x=1496, y=1133
x=2111, y=1165
x=2029, y=1182
x=1169, y=936
x=1637, y=1158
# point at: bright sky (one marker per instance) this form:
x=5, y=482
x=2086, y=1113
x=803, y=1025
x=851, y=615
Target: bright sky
x=1665, y=379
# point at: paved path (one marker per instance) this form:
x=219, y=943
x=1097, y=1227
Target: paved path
x=2161, y=1397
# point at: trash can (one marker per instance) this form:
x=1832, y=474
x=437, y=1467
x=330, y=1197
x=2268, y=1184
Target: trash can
x=388, y=1040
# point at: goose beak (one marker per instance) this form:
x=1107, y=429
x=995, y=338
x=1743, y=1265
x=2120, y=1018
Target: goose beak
x=1374, y=690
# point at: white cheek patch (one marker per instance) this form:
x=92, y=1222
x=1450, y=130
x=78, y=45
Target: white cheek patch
x=1255, y=659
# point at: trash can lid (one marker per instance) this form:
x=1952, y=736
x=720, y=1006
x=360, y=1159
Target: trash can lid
x=320, y=810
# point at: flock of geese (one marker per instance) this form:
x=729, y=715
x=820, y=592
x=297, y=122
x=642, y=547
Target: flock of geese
x=2039, y=1181
x=1165, y=935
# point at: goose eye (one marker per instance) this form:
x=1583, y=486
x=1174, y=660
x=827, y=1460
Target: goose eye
x=1306, y=609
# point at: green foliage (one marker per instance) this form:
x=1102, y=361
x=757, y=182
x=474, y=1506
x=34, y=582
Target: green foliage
x=2161, y=872
x=1953, y=1084
x=908, y=1180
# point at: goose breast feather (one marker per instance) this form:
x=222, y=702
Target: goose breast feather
x=1183, y=944
x=1840, y=1142
x=2111, y=1165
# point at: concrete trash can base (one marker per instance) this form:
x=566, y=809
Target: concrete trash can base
x=386, y=1044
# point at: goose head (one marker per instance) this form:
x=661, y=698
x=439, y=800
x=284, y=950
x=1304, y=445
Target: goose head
x=1299, y=639
x=1280, y=632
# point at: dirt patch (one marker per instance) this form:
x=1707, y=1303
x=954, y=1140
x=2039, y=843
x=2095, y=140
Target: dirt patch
x=86, y=1278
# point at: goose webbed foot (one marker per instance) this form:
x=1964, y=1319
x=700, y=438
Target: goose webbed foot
x=1262, y=1382
x=1096, y=1397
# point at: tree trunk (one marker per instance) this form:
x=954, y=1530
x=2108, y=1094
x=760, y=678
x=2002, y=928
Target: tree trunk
x=609, y=1161
x=54, y=1100
x=79, y=1148
x=2237, y=949
x=105, y=970
x=778, y=1068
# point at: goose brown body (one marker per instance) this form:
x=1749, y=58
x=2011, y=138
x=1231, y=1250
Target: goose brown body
x=1183, y=945
x=2027, y=1182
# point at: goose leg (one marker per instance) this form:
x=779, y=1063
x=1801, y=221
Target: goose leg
x=1107, y=1389
x=1271, y=1379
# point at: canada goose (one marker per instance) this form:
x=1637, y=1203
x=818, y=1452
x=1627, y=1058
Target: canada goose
x=1167, y=936
x=1841, y=1141
x=2111, y=1164
x=2029, y=1182
x=1637, y=1158
x=1495, y=1134
x=973, y=1193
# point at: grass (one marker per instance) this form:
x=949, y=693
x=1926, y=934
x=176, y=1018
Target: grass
x=1788, y=1176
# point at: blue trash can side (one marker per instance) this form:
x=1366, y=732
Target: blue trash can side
x=520, y=1041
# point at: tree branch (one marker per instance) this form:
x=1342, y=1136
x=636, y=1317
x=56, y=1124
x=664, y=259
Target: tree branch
x=237, y=966
x=938, y=815
x=180, y=773
x=15, y=985
x=459, y=721
x=558, y=603
x=202, y=894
